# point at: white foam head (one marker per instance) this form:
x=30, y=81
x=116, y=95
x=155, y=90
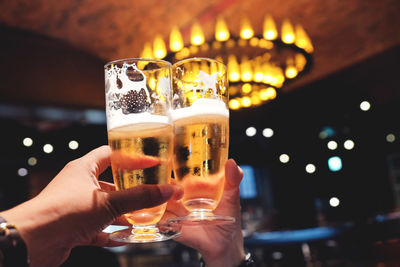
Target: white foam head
x=119, y=119
x=201, y=106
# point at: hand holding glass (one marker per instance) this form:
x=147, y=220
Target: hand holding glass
x=140, y=134
x=201, y=127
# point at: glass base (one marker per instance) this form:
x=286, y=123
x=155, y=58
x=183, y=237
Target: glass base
x=201, y=217
x=146, y=234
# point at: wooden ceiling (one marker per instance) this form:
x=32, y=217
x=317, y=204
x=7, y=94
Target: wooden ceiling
x=343, y=33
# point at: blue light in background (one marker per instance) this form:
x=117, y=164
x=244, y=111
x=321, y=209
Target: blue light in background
x=248, y=185
x=335, y=163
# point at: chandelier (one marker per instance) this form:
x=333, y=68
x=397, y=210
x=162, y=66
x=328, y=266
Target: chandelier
x=258, y=65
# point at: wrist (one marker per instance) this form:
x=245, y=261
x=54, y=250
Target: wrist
x=230, y=256
x=247, y=261
x=13, y=251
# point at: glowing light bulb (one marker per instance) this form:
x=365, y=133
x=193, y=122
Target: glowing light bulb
x=196, y=35
x=234, y=104
x=147, y=51
x=246, y=31
x=284, y=158
x=47, y=148
x=233, y=69
x=302, y=39
x=268, y=132
x=175, y=40
x=310, y=168
x=365, y=105
x=348, y=144
x=332, y=145
x=27, y=141
x=270, y=32
x=159, y=48
x=251, y=131
x=73, y=145
x=334, y=202
x=221, y=30
x=288, y=36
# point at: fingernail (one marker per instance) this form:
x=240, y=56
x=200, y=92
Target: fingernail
x=166, y=191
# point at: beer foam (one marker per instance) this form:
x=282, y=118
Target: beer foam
x=119, y=119
x=201, y=106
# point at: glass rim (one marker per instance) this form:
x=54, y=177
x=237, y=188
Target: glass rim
x=182, y=61
x=138, y=59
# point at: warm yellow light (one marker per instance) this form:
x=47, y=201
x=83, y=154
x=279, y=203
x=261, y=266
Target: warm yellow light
x=234, y=104
x=270, y=32
x=245, y=101
x=255, y=99
x=246, y=31
x=271, y=92
x=175, y=40
x=267, y=93
x=246, y=88
x=196, y=35
x=152, y=83
x=265, y=44
x=264, y=94
x=231, y=43
x=185, y=52
x=233, y=69
x=291, y=72
x=302, y=39
x=147, y=51
x=159, y=49
x=221, y=30
x=246, y=72
x=216, y=45
x=193, y=49
x=300, y=61
x=204, y=47
x=234, y=76
x=268, y=78
x=258, y=74
x=288, y=36
x=254, y=41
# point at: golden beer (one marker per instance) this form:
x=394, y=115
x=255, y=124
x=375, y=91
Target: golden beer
x=201, y=150
x=141, y=154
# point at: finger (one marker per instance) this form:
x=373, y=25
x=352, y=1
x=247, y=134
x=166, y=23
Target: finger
x=103, y=240
x=133, y=162
x=99, y=158
x=178, y=191
x=176, y=208
x=107, y=186
x=138, y=197
x=121, y=220
x=233, y=174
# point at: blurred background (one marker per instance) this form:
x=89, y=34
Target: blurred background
x=317, y=134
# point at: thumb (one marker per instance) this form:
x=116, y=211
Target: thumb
x=138, y=197
x=233, y=173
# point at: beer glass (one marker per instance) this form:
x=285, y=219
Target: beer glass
x=200, y=116
x=140, y=134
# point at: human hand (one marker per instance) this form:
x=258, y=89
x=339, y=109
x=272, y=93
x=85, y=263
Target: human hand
x=219, y=245
x=75, y=207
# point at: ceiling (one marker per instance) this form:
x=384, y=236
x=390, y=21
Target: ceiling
x=84, y=34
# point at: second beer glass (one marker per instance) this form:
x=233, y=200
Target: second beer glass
x=140, y=134
x=201, y=126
